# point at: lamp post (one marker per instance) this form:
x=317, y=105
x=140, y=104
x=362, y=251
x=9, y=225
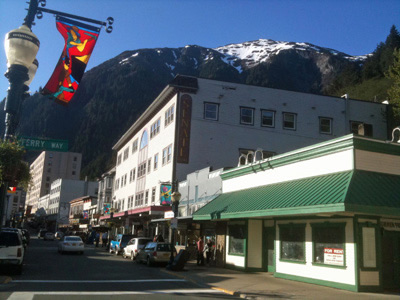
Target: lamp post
x=21, y=47
x=175, y=197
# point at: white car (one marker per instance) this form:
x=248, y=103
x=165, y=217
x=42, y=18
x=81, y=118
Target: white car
x=11, y=250
x=156, y=252
x=134, y=246
x=71, y=243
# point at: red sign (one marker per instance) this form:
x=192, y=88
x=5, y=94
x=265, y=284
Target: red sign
x=334, y=256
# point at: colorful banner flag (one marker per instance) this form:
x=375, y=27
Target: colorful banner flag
x=165, y=195
x=85, y=214
x=80, y=40
x=106, y=209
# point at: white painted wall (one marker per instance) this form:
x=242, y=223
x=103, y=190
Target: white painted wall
x=332, y=163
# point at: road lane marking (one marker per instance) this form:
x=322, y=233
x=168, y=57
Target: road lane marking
x=99, y=281
x=30, y=295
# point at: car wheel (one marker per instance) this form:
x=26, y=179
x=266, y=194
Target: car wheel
x=148, y=262
x=132, y=256
x=123, y=254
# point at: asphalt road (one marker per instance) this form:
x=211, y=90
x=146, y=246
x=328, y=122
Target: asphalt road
x=94, y=275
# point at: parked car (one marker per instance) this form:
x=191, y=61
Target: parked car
x=41, y=233
x=11, y=250
x=134, y=246
x=48, y=236
x=155, y=253
x=71, y=243
x=19, y=231
x=120, y=243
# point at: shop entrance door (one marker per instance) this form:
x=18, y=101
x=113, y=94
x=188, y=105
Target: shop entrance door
x=268, y=249
x=391, y=260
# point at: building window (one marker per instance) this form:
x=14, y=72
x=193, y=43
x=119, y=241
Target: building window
x=153, y=195
x=126, y=153
x=237, y=239
x=134, y=146
x=328, y=243
x=75, y=158
x=119, y=159
x=142, y=169
x=169, y=115
x=361, y=128
x=148, y=165
x=155, y=128
x=169, y=153
x=292, y=241
x=132, y=175
x=139, y=199
x=155, y=166
x=211, y=111
x=164, y=156
x=289, y=121
x=144, y=140
x=325, y=125
x=146, y=198
x=267, y=118
x=247, y=116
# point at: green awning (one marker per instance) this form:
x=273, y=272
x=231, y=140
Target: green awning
x=356, y=191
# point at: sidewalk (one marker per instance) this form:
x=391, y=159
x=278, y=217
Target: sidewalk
x=260, y=285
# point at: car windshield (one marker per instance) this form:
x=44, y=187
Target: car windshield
x=73, y=239
x=126, y=238
x=9, y=239
x=164, y=247
x=143, y=242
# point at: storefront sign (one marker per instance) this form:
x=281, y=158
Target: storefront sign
x=185, y=116
x=168, y=214
x=333, y=256
x=390, y=224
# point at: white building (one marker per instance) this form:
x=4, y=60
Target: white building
x=47, y=167
x=195, y=123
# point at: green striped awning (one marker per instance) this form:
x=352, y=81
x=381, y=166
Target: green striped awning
x=346, y=191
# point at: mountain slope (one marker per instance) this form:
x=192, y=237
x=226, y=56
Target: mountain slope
x=114, y=94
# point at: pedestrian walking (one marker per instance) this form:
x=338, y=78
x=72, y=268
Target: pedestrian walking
x=209, y=251
x=200, y=249
x=97, y=239
x=104, y=239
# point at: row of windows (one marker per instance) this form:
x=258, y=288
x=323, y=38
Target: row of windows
x=328, y=242
x=145, y=168
x=154, y=130
x=289, y=120
x=140, y=199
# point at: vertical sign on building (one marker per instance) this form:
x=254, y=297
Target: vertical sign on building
x=185, y=116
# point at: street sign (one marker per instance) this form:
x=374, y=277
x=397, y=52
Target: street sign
x=40, y=144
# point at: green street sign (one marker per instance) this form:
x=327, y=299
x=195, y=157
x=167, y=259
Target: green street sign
x=39, y=144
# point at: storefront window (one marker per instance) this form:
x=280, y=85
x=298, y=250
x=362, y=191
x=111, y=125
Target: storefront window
x=328, y=241
x=292, y=240
x=237, y=239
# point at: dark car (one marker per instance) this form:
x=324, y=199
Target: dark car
x=118, y=244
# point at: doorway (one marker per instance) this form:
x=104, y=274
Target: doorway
x=391, y=260
x=269, y=249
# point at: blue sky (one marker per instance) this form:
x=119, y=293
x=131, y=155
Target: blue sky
x=353, y=26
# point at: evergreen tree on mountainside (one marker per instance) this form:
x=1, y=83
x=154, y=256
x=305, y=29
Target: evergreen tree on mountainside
x=368, y=82
x=394, y=91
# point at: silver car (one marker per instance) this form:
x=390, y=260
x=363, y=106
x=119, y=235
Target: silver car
x=134, y=246
x=155, y=253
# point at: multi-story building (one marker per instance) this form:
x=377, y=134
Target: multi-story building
x=62, y=192
x=49, y=166
x=195, y=123
x=15, y=204
x=106, y=183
